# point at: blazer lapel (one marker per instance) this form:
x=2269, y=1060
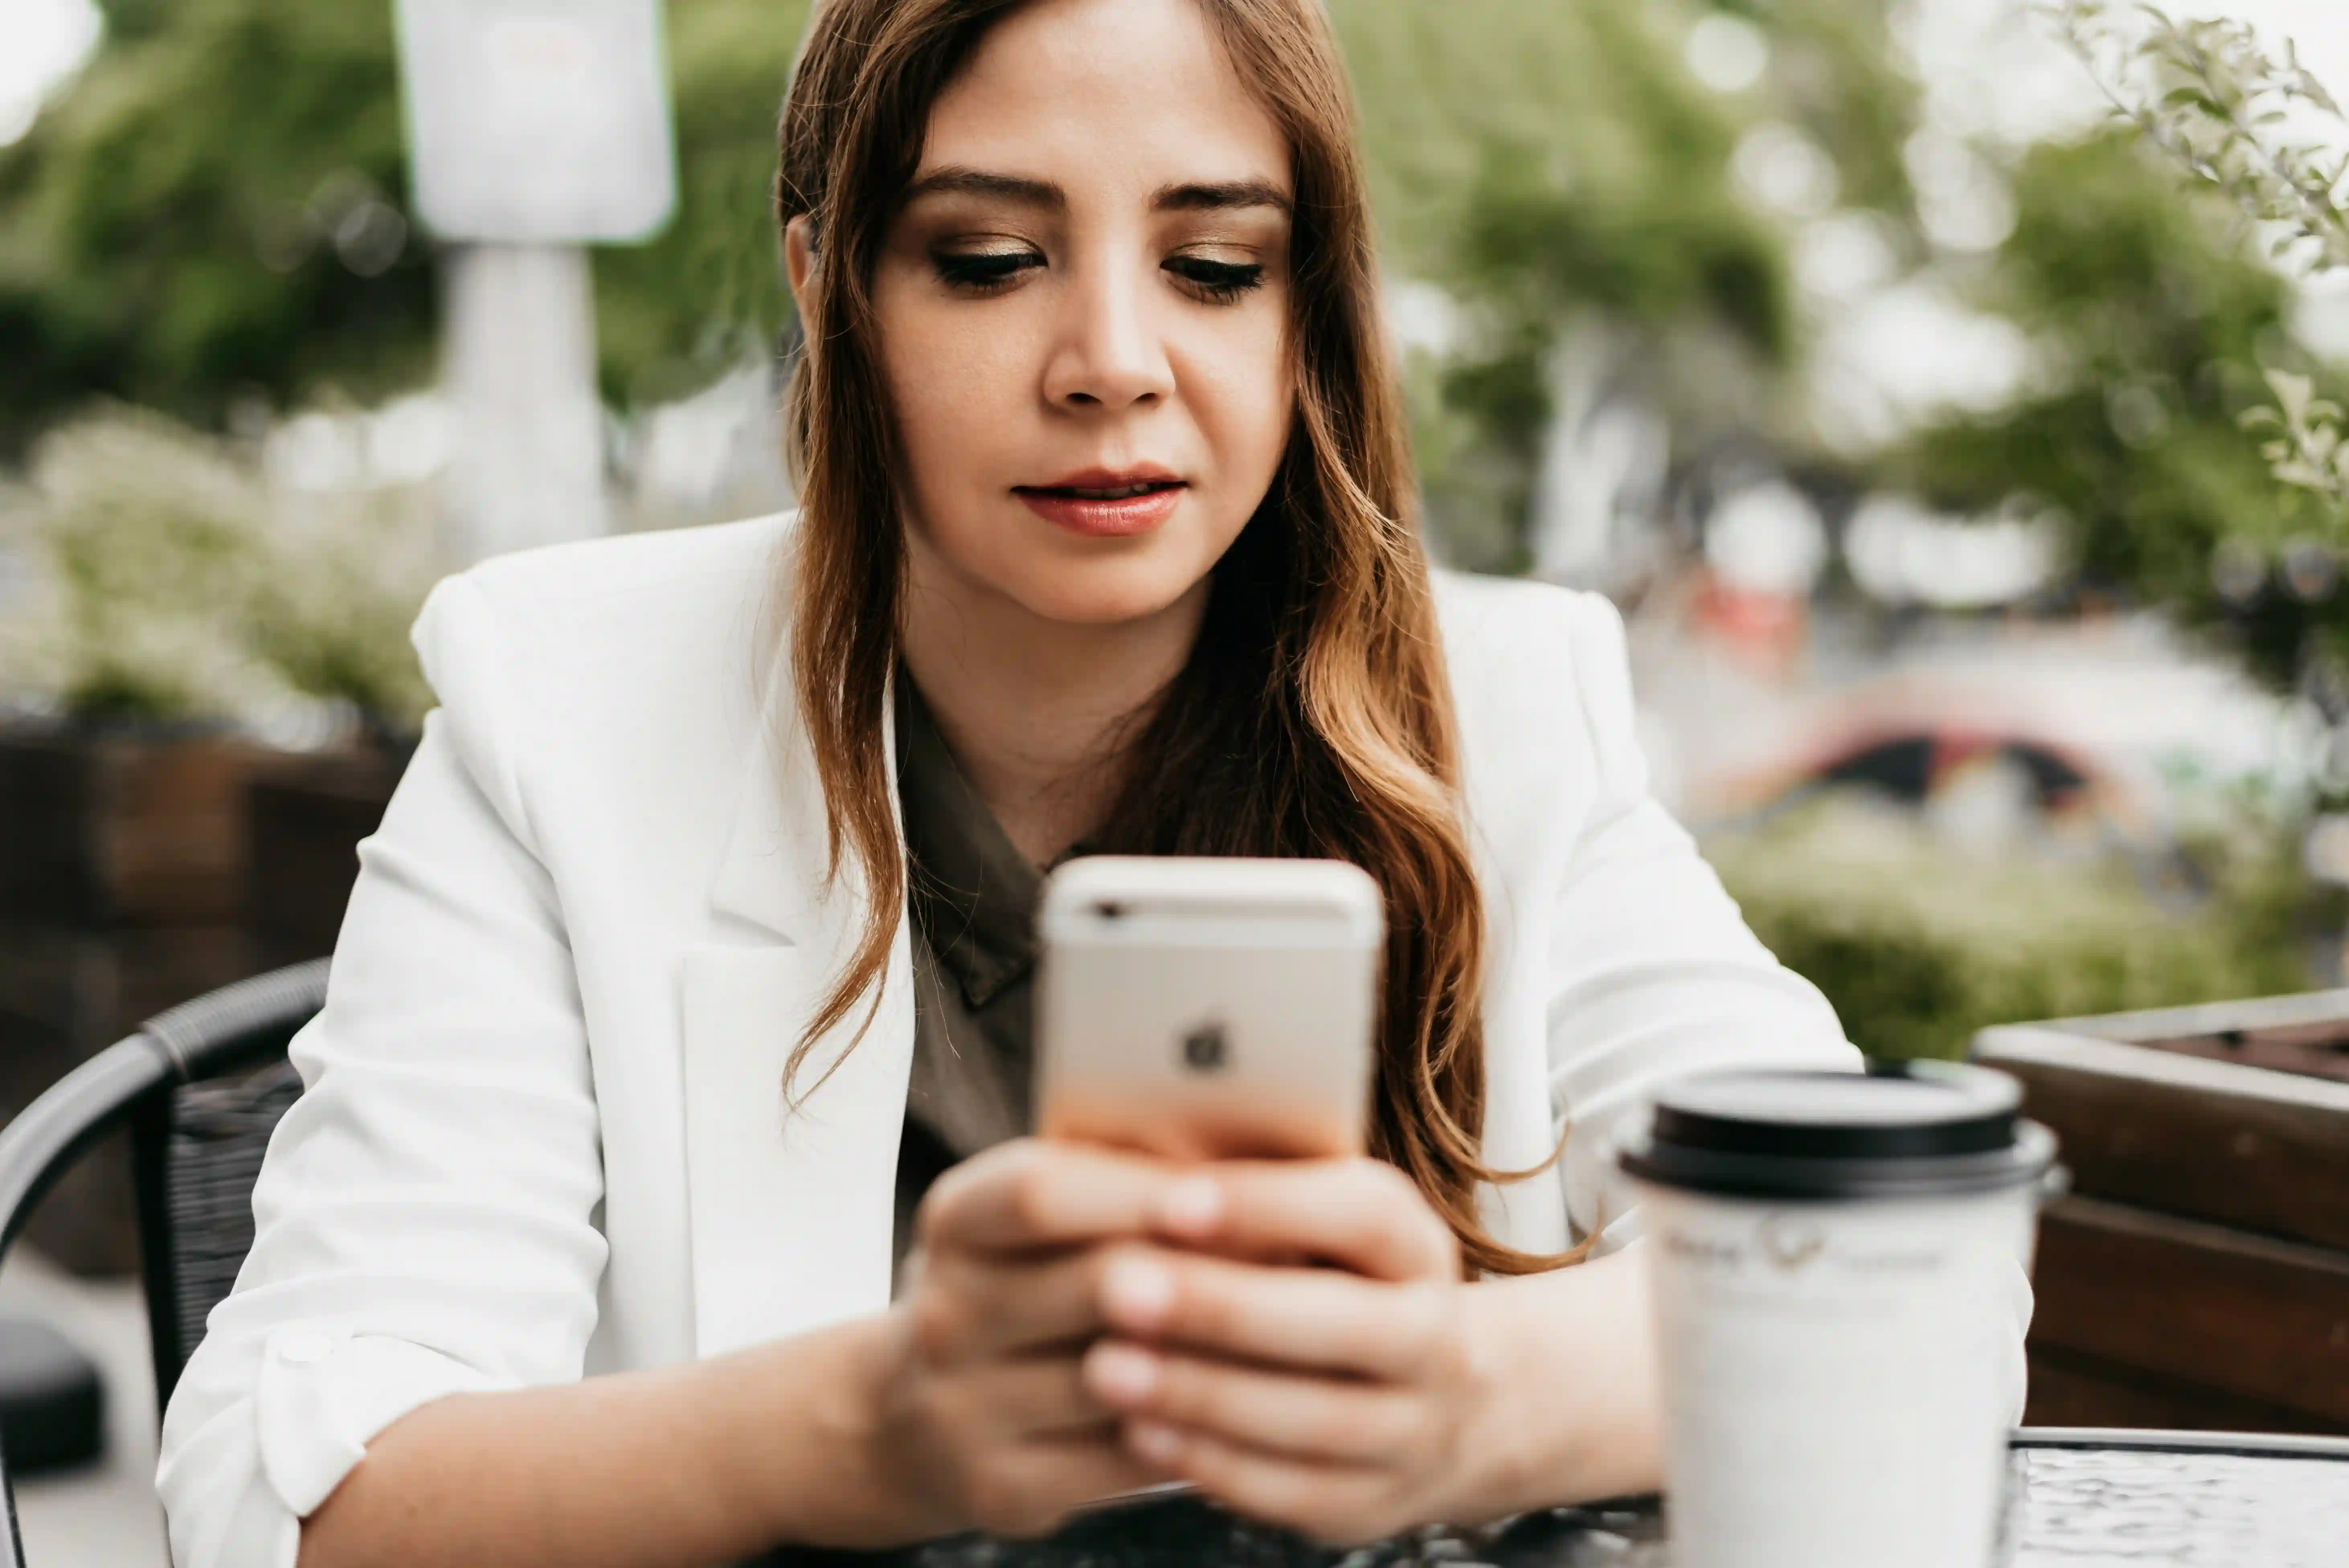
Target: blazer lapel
x=790, y=1207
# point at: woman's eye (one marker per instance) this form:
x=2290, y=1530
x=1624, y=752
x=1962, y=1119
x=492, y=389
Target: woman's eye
x=982, y=270
x=1216, y=281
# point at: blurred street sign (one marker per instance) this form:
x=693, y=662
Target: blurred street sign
x=535, y=126
x=537, y=121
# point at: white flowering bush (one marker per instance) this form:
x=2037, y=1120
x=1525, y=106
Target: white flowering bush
x=161, y=582
x=138, y=540
x=346, y=573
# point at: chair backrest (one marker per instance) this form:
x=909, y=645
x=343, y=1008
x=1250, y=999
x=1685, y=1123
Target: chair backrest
x=201, y=1087
x=196, y=1147
x=198, y=1154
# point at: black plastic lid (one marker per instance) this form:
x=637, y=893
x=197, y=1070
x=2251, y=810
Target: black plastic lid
x=1912, y=1129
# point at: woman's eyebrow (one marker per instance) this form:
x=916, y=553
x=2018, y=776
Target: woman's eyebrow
x=961, y=180
x=1190, y=196
x=1218, y=195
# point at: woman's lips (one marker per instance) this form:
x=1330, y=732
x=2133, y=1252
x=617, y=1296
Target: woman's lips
x=1099, y=517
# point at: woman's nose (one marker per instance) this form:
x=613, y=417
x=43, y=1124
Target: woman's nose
x=1109, y=354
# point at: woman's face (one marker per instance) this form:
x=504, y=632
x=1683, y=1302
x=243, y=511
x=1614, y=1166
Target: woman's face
x=1083, y=310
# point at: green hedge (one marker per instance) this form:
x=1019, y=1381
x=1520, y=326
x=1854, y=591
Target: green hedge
x=1918, y=943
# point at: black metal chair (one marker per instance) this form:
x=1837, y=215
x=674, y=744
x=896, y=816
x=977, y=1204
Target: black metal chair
x=199, y=1087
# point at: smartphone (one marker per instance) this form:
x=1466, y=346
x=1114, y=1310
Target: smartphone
x=1209, y=1008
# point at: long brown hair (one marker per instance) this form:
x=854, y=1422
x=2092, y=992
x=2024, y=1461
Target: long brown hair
x=1314, y=717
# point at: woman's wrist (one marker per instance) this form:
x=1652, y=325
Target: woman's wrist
x=1496, y=1472
x=1567, y=1405
x=810, y=1455
x=707, y=1462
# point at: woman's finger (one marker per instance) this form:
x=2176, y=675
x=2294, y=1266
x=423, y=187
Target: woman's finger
x=1027, y=1307
x=1361, y=1214
x=1340, y=1504
x=1044, y=1397
x=1314, y=1319
x=1031, y=1193
x=1028, y=1488
x=1321, y=1419
x=987, y=1303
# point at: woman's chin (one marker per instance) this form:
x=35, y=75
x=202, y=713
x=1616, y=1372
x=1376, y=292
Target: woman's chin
x=1104, y=593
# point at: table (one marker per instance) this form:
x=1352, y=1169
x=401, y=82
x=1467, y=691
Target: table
x=2085, y=1498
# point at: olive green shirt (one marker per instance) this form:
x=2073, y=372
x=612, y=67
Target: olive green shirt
x=972, y=895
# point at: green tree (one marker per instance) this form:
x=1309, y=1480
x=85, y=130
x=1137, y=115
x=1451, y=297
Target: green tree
x=1550, y=166
x=2216, y=109
x=2149, y=317
x=204, y=216
x=707, y=292
x=160, y=228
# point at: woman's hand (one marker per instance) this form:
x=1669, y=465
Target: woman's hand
x=1348, y=1401
x=984, y=1416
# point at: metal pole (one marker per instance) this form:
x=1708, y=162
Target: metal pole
x=519, y=369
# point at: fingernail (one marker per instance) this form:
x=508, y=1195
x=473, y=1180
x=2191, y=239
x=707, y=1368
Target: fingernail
x=1137, y=1292
x=1158, y=1445
x=1192, y=1206
x=1124, y=1374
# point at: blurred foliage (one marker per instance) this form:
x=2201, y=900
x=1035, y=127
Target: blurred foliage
x=330, y=616
x=202, y=217
x=1918, y=943
x=2148, y=318
x=708, y=294
x=1555, y=167
x=167, y=228
x=171, y=585
x=140, y=533
x=127, y=19
x=2230, y=116
x=2211, y=95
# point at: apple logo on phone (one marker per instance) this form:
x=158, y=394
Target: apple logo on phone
x=1205, y=1049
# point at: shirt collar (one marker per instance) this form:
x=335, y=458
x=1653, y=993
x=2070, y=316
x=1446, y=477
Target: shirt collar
x=974, y=895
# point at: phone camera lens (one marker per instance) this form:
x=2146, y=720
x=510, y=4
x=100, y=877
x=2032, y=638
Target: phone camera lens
x=1110, y=909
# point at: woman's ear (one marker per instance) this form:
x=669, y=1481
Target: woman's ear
x=798, y=257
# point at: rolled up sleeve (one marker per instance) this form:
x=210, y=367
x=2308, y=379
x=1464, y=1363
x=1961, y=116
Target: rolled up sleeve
x=424, y=1222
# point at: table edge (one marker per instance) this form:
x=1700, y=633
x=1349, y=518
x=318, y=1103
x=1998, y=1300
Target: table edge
x=2246, y=1445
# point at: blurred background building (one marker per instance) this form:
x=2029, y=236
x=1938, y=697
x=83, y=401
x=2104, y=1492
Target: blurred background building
x=1955, y=444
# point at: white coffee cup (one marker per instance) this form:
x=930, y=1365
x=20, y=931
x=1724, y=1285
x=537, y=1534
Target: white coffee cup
x=1837, y=1261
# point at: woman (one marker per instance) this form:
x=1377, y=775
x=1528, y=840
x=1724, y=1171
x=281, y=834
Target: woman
x=1106, y=541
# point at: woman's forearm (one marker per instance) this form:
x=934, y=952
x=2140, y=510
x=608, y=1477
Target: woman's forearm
x=699, y=1464
x=1573, y=1410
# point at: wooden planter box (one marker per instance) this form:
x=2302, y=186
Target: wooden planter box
x=137, y=872
x=122, y=868
x=2197, y=1274
x=107, y=828
x=304, y=819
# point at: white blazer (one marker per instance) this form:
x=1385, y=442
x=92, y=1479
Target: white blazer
x=543, y=1136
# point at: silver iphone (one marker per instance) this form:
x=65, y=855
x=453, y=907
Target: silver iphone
x=1209, y=1008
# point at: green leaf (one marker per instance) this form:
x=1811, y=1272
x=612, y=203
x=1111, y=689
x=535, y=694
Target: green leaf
x=2313, y=90
x=2295, y=392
